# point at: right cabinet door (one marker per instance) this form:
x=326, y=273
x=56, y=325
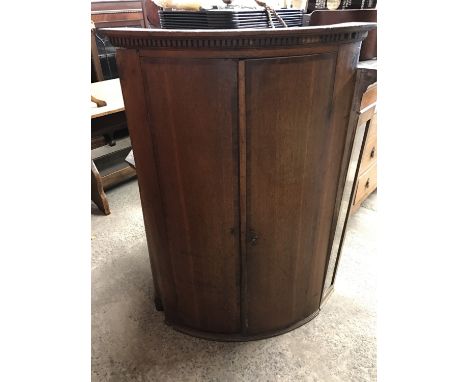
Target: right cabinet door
x=290, y=189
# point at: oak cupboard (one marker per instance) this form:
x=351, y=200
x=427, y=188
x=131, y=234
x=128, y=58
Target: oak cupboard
x=241, y=143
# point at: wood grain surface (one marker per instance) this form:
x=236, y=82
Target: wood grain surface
x=288, y=115
x=193, y=114
x=241, y=144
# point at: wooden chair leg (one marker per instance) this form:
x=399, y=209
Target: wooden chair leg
x=97, y=191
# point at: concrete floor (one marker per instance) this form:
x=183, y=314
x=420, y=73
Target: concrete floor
x=130, y=341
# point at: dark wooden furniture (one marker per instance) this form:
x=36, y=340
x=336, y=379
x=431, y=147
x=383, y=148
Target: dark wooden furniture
x=241, y=142
x=108, y=128
x=152, y=14
x=361, y=120
x=126, y=13
x=105, y=13
x=327, y=17
x=96, y=68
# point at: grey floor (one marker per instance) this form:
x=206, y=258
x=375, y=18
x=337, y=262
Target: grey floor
x=130, y=341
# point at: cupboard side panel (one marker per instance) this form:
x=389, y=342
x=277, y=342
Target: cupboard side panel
x=139, y=127
x=340, y=143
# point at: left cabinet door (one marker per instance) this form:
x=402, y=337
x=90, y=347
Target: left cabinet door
x=193, y=115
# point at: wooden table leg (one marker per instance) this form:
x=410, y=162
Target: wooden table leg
x=97, y=191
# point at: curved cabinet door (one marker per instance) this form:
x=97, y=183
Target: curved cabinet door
x=290, y=186
x=193, y=117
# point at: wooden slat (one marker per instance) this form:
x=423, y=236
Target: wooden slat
x=119, y=13
x=101, y=18
x=115, y=5
x=118, y=176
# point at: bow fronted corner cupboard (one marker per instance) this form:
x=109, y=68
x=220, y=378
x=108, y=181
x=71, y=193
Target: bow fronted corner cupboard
x=241, y=142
